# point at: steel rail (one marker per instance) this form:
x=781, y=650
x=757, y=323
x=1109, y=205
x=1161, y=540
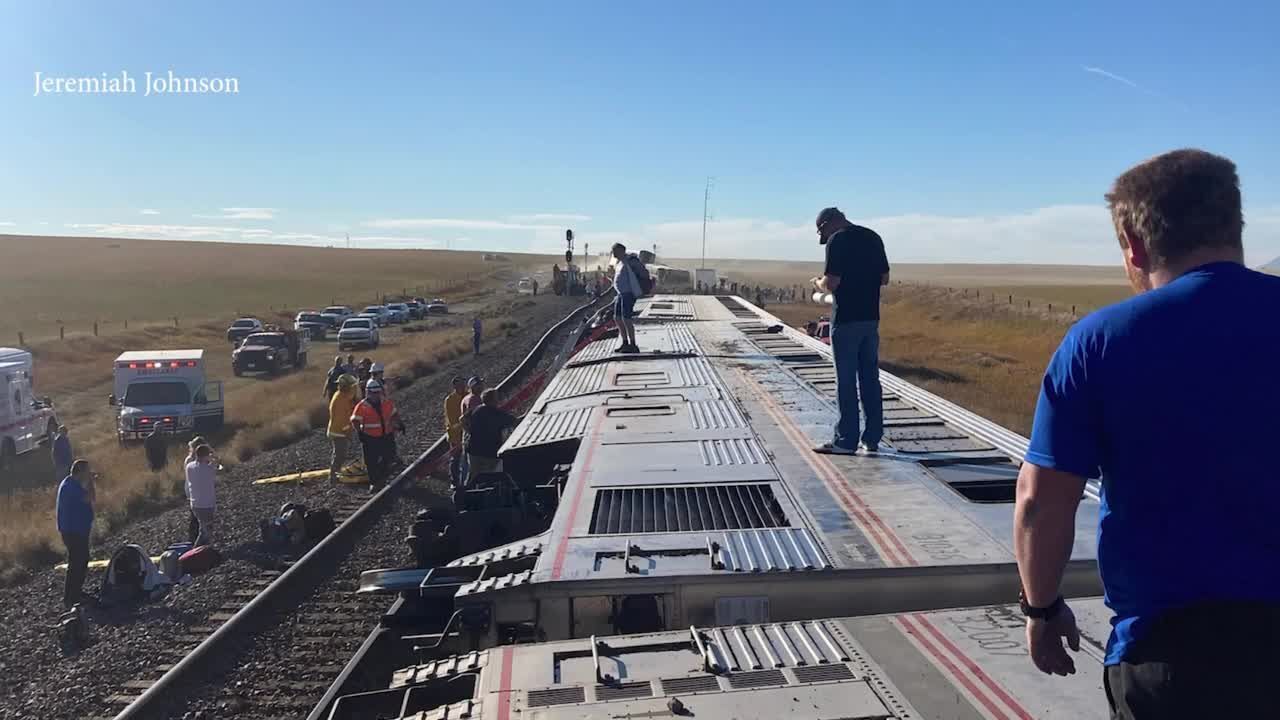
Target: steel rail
x=301, y=578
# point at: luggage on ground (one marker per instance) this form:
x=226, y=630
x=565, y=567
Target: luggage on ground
x=317, y=524
x=171, y=565
x=200, y=560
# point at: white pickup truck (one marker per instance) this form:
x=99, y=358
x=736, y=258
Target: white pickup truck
x=165, y=389
x=26, y=422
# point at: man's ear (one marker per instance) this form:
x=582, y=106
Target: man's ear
x=1136, y=252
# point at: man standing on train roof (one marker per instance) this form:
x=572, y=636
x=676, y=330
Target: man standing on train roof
x=1136, y=394
x=855, y=270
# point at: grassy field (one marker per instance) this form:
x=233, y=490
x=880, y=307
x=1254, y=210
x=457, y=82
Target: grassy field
x=77, y=281
x=777, y=272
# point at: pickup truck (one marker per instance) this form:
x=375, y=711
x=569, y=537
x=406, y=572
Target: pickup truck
x=242, y=328
x=271, y=351
x=312, y=322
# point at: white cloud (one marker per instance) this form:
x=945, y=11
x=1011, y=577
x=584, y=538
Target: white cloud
x=550, y=218
x=148, y=211
x=6, y=223
x=242, y=213
x=1061, y=234
x=453, y=223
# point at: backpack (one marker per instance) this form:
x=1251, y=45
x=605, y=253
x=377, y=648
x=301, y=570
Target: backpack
x=317, y=524
x=642, y=275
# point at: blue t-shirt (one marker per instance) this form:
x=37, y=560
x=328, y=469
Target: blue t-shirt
x=1171, y=397
x=75, y=514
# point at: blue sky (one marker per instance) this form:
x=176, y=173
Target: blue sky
x=982, y=132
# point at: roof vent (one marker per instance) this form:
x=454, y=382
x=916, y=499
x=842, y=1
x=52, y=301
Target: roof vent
x=686, y=508
x=555, y=696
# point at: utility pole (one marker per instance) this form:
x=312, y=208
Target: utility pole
x=706, y=202
x=348, y=241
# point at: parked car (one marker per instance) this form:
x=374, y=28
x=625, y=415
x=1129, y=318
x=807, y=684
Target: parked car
x=335, y=315
x=438, y=307
x=313, y=323
x=242, y=328
x=380, y=312
x=271, y=351
x=416, y=309
x=399, y=312
x=359, y=331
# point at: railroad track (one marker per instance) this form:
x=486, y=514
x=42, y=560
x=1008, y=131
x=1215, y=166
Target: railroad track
x=308, y=608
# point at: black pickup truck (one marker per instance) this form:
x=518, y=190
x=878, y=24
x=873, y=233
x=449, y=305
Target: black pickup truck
x=271, y=351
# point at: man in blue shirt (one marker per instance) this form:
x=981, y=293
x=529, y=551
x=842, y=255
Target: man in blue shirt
x=62, y=455
x=75, y=521
x=1170, y=398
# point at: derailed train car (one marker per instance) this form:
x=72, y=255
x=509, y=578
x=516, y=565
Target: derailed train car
x=700, y=560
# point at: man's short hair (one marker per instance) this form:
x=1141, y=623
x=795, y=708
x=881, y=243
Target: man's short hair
x=489, y=397
x=1179, y=202
x=204, y=451
x=826, y=215
x=458, y=380
x=619, y=246
x=79, y=466
x=62, y=429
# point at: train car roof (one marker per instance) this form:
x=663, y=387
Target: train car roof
x=961, y=664
x=694, y=457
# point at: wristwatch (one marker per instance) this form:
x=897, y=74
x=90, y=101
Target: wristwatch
x=1040, y=613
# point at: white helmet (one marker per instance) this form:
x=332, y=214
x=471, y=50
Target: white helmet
x=376, y=368
x=373, y=386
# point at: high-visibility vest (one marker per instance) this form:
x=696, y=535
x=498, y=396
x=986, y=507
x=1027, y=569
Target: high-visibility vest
x=371, y=423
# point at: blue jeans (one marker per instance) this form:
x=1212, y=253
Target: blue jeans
x=856, y=346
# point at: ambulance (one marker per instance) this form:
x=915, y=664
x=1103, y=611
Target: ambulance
x=165, y=389
x=26, y=422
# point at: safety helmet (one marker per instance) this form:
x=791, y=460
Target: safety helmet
x=376, y=368
x=373, y=386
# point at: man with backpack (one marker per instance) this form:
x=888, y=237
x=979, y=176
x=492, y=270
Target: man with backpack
x=631, y=280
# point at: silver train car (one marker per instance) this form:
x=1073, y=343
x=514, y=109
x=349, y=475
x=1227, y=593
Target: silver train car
x=702, y=561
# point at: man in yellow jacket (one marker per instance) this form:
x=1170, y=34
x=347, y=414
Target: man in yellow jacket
x=453, y=423
x=341, y=405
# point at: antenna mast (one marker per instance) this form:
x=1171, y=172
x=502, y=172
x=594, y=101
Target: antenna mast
x=706, y=202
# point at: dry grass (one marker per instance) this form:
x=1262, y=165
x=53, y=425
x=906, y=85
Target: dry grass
x=206, y=284
x=127, y=489
x=988, y=361
x=80, y=280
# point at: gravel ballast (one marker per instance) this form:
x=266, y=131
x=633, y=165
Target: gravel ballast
x=128, y=643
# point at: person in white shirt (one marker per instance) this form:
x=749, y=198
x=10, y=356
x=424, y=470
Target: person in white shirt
x=628, y=287
x=202, y=476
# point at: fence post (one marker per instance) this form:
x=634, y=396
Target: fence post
x=95, y=328
x=126, y=323
x=1050, y=307
x=1028, y=304
x=62, y=332
x=1073, y=309
x=1010, y=299
x=21, y=340
x=175, y=321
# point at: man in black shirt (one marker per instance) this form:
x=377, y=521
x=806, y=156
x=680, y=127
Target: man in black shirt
x=485, y=427
x=855, y=270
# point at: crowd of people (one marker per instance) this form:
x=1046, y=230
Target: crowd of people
x=1134, y=395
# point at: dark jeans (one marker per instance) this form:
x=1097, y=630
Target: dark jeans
x=457, y=466
x=1215, y=660
x=856, y=346
x=77, y=567
x=377, y=458
x=193, y=527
